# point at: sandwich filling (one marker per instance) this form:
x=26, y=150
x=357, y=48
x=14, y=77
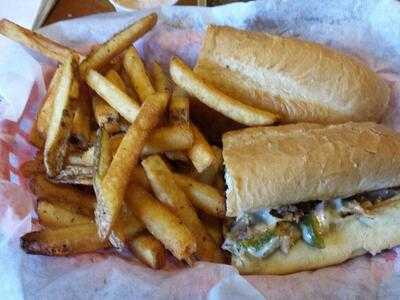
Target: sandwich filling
x=262, y=232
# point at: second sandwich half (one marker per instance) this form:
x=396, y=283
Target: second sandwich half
x=307, y=196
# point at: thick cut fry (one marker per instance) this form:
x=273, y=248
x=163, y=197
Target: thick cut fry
x=115, y=79
x=126, y=227
x=160, y=79
x=60, y=123
x=202, y=196
x=148, y=250
x=115, y=141
x=163, y=139
x=178, y=114
x=60, y=193
x=208, y=175
x=102, y=161
x=129, y=88
x=214, y=98
x=82, y=118
x=82, y=158
x=102, y=155
x=201, y=153
x=117, y=44
x=105, y=116
x=63, y=241
x=167, y=191
x=45, y=112
x=219, y=183
x=177, y=155
x=161, y=223
x=169, y=138
x=82, y=175
x=117, y=99
x=37, y=42
x=213, y=226
x=53, y=215
x=179, y=110
x=138, y=177
x=114, y=184
x=136, y=71
x=74, y=91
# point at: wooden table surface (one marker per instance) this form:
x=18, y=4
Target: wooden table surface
x=66, y=9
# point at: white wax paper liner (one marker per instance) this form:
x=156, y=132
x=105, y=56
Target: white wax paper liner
x=369, y=30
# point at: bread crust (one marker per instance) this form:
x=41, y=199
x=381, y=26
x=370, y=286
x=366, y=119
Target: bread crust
x=300, y=81
x=274, y=166
x=350, y=238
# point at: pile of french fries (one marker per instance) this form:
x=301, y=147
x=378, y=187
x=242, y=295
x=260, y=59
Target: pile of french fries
x=113, y=132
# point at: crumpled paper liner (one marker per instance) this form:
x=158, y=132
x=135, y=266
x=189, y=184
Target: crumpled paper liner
x=365, y=28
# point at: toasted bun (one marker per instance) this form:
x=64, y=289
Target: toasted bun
x=348, y=239
x=301, y=81
x=274, y=166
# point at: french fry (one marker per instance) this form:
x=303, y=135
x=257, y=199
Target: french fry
x=53, y=215
x=102, y=161
x=213, y=226
x=74, y=92
x=114, y=77
x=177, y=155
x=167, y=191
x=138, y=177
x=178, y=114
x=129, y=88
x=81, y=175
x=37, y=42
x=202, y=196
x=115, y=141
x=136, y=71
x=82, y=159
x=131, y=224
x=81, y=123
x=161, y=223
x=219, y=183
x=105, y=116
x=179, y=109
x=148, y=250
x=160, y=79
x=209, y=174
x=60, y=123
x=126, y=227
x=102, y=156
x=169, y=138
x=45, y=112
x=117, y=44
x=117, y=99
x=63, y=241
x=125, y=159
x=60, y=194
x=214, y=98
x=201, y=153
